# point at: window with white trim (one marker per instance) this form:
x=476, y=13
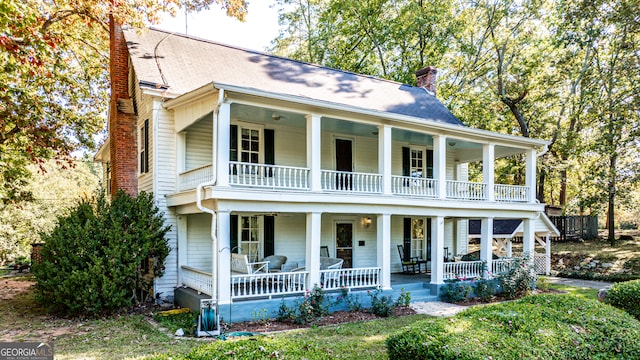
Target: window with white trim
x=418, y=238
x=144, y=147
x=417, y=163
x=250, y=237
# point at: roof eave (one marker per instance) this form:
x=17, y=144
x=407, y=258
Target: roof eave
x=443, y=127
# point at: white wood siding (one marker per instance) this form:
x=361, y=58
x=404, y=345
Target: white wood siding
x=187, y=115
x=199, y=241
x=290, y=236
x=199, y=144
x=163, y=166
x=145, y=112
x=290, y=146
x=364, y=151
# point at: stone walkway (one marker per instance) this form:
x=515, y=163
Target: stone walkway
x=579, y=283
x=438, y=308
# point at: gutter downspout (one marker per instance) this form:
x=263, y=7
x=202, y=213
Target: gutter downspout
x=214, y=215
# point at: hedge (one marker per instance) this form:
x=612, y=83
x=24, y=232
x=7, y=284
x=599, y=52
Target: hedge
x=626, y=296
x=534, y=327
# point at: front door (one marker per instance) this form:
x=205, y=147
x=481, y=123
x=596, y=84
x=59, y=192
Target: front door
x=344, y=163
x=344, y=243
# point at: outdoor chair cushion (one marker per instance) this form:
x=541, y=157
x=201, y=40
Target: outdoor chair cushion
x=275, y=262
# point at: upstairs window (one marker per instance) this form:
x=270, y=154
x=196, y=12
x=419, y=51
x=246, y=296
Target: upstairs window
x=144, y=147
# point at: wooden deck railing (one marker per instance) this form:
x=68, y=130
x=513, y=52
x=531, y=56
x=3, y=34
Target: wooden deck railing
x=268, y=176
x=350, y=278
x=198, y=280
x=351, y=181
x=464, y=190
x=406, y=185
x=268, y=284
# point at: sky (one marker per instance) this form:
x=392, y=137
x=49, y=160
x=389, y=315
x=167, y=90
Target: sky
x=256, y=33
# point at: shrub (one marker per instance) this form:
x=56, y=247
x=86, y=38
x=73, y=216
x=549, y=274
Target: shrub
x=484, y=289
x=312, y=307
x=518, y=281
x=102, y=256
x=381, y=305
x=534, y=327
x=455, y=291
x=404, y=299
x=626, y=296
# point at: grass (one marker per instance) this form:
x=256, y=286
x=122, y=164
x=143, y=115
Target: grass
x=581, y=292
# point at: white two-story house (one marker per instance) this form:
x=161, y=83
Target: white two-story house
x=351, y=178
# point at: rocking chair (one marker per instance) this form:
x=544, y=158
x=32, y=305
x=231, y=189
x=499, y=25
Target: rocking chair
x=410, y=265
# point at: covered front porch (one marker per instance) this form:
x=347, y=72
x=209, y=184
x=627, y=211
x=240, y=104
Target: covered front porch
x=366, y=247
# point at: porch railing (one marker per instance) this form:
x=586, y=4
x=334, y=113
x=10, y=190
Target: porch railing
x=198, y=280
x=269, y=176
x=268, y=285
x=191, y=178
x=351, y=181
x=511, y=193
x=466, y=190
x=462, y=270
x=407, y=185
x=499, y=266
x=333, y=279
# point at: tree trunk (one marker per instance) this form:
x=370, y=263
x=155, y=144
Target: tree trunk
x=541, y=180
x=612, y=195
x=563, y=187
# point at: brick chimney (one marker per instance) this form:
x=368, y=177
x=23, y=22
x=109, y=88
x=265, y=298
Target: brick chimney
x=426, y=79
x=122, y=118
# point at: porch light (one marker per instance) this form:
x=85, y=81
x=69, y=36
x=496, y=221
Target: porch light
x=366, y=222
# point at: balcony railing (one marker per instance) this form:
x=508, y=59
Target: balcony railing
x=268, y=176
x=296, y=178
x=268, y=284
x=333, y=279
x=512, y=193
x=352, y=182
x=462, y=270
x=499, y=266
x=191, y=178
x=406, y=185
x=466, y=190
x=198, y=280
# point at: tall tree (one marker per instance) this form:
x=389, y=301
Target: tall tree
x=54, y=83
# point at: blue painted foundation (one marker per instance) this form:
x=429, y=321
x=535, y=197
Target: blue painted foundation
x=258, y=309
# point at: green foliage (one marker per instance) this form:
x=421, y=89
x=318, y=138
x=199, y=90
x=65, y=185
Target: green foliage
x=381, y=305
x=589, y=275
x=352, y=301
x=311, y=308
x=626, y=296
x=542, y=284
x=51, y=194
x=484, y=289
x=404, y=299
x=535, y=327
x=518, y=281
x=455, y=290
x=102, y=256
x=186, y=321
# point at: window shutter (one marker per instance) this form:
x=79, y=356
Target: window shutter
x=144, y=148
x=406, y=164
x=233, y=233
x=269, y=150
x=407, y=238
x=429, y=164
x=269, y=235
x=233, y=143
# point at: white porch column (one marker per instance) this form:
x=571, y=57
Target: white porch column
x=384, y=157
x=437, y=250
x=312, y=259
x=528, y=239
x=314, y=132
x=530, y=174
x=510, y=248
x=547, y=252
x=488, y=170
x=182, y=245
x=440, y=164
x=384, y=249
x=221, y=160
x=223, y=253
x=486, y=242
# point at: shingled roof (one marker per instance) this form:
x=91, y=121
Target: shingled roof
x=501, y=227
x=182, y=64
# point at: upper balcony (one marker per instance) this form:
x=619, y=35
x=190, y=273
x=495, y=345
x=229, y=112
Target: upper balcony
x=264, y=149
